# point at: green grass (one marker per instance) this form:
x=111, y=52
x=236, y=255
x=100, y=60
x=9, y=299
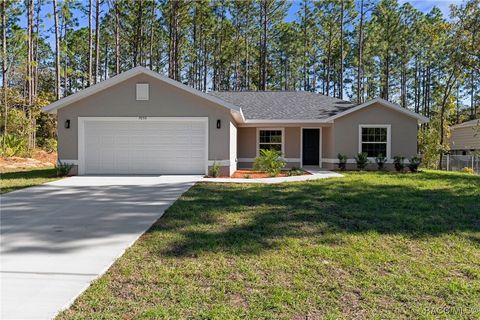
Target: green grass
x=367, y=246
x=15, y=180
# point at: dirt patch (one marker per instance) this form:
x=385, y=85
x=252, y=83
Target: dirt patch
x=252, y=174
x=39, y=159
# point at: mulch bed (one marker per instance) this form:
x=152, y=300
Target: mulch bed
x=252, y=174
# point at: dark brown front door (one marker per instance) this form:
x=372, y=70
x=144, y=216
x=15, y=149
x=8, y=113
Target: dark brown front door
x=311, y=147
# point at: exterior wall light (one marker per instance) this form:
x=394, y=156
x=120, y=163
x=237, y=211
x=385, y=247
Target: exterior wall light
x=67, y=124
x=219, y=124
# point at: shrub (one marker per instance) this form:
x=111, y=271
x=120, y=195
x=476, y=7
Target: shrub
x=294, y=171
x=399, y=163
x=63, y=169
x=270, y=162
x=468, y=170
x=380, y=160
x=13, y=146
x=362, y=160
x=342, y=161
x=48, y=144
x=414, y=163
x=215, y=169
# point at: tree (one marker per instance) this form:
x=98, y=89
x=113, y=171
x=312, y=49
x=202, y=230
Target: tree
x=57, y=51
x=97, y=40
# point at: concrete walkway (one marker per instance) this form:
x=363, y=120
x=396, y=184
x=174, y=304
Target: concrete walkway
x=58, y=237
x=315, y=175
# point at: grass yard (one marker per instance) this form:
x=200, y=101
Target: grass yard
x=23, y=178
x=370, y=245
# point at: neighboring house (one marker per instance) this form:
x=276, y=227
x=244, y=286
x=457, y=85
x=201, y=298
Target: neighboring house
x=140, y=122
x=465, y=137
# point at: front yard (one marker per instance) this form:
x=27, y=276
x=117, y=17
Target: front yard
x=370, y=245
x=16, y=179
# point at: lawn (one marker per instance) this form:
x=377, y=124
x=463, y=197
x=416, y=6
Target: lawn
x=370, y=245
x=22, y=178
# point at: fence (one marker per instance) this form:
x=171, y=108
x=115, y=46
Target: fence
x=458, y=162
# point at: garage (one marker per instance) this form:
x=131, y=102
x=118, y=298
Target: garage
x=142, y=145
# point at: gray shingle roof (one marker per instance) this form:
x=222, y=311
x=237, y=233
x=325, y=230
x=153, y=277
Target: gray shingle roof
x=284, y=105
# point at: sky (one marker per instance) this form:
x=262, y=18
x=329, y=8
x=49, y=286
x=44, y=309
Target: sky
x=422, y=5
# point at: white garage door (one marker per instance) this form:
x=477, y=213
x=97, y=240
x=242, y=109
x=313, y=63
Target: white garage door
x=143, y=146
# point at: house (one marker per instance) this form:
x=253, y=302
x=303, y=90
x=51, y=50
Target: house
x=140, y=122
x=465, y=137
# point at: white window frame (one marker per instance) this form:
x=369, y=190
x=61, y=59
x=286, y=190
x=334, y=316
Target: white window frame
x=271, y=129
x=389, y=137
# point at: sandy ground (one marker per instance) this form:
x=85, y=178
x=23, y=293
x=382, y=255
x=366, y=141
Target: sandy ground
x=39, y=159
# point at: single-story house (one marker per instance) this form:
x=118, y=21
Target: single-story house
x=140, y=122
x=465, y=137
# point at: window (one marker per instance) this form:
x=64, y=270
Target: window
x=270, y=139
x=375, y=140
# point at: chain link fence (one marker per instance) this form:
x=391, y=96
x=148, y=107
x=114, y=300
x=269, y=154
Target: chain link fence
x=459, y=162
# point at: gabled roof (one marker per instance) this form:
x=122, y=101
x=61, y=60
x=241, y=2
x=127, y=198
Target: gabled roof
x=299, y=106
x=471, y=123
x=127, y=75
x=284, y=105
x=388, y=104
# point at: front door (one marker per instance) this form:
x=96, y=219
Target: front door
x=311, y=147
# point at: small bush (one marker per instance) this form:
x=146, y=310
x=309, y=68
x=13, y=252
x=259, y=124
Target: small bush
x=13, y=146
x=48, y=144
x=63, y=169
x=247, y=176
x=362, y=160
x=399, y=163
x=380, y=160
x=414, y=163
x=468, y=170
x=270, y=162
x=294, y=171
x=342, y=161
x=215, y=169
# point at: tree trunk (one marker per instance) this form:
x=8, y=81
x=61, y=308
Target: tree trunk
x=90, y=42
x=65, y=67
x=263, y=56
x=152, y=32
x=329, y=59
x=57, y=51
x=360, y=56
x=140, y=32
x=4, y=65
x=97, y=40
x=117, y=39
x=448, y=88
x=37, y=35
x=342, y=13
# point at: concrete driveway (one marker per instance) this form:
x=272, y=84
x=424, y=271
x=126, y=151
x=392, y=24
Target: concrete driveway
x=58, y=237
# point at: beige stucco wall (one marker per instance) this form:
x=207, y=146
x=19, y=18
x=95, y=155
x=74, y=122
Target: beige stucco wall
x=165, y=101
x=464, y=139
x=246, y=142
x=328, y=143
x=292, y=142
x=403, y=130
